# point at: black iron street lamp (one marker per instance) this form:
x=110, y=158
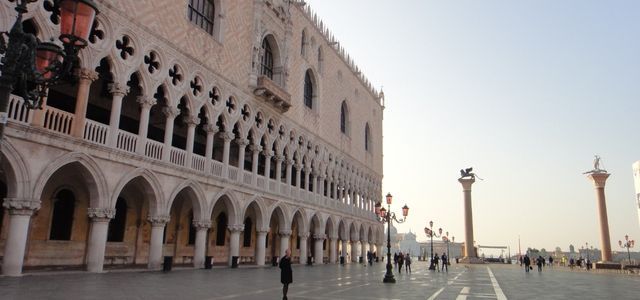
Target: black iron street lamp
x=386, y=216
x=445, y=239
x=627, y=244
x=429, y=232
x=30, y=66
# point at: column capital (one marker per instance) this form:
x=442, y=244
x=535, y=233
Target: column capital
x=466, y=183
x=202, y=224
x=159, y=220
x=101, y=213
x=170, y=112
x=289, y=162
x=255, y=148
x=319, y=236
x=268, y=153
x=21, y=206
x=146, y=101
x=262, y=231
x=191, y=121
x=118, y=89
x=303, y=235
x=88, y=74
x=228, y=136
x=242, y=142
x=236, y=228
x=284, y=232
x=598, y=179
x=210, y=128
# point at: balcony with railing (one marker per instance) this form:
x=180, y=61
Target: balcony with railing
x=272, y=93
x=97, y=133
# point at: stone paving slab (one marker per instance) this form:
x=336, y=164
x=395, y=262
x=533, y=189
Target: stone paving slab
x=326, y=282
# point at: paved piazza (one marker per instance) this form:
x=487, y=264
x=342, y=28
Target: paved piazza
x=326, y=282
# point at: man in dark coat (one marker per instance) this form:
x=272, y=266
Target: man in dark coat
x=286, y=275
x=527, y=263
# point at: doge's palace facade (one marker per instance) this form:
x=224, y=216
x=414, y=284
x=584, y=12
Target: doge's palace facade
x=220, y=131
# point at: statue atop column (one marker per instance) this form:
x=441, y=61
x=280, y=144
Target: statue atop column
x=596, y=167
x=466, y=173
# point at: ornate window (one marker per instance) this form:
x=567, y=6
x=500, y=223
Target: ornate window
x=64, y=205
x=308, y=90
x=202, y=13
x=267, y=60
x=344, y=118
x=367, y=138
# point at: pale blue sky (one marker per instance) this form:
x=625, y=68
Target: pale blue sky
x=526, y=92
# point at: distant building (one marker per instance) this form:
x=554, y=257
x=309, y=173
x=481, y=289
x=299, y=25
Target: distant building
x=407, y=243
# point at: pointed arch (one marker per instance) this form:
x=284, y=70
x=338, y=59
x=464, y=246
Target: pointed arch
x=197, y=196
x=152, y=190
x=15, y=169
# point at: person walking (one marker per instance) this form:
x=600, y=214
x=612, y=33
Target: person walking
x=445, y=262
x=400, y=262
x=395, y=259
x=407, y=261
x=286, y=274
x=527, y=263
x=435, y=262
x=539, y=261
x=551, y=261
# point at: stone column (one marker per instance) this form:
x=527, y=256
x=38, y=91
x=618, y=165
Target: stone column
x=85, y=78
x=298, y=175
x=192, y=122
x=261, y=238
x=227, y=137
x=364, y=247
x=211, y=130
x=470, y=253
x=344, y=250
x=200, y=248
x=288, y=172
x=118, y=91
x=599, y=179
x=242, y=144
x=234, y=241
x=278, y=173
x=267, y=164
x=254, y=161
x=284, y=240
x=333, y=250
x=170, y=113
x=20, y=212
x=354, y=250
x=100, y=218
x=318, y=254
x=320, y=183
x=303, y=247
x=307, y=172
x=155, y=245
x=146, y=103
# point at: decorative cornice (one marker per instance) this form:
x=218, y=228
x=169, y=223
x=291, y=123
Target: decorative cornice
x=101, y=213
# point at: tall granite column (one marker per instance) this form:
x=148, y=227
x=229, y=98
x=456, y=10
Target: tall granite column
x=599, y=179
x=470, y=253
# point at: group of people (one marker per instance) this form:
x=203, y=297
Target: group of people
x=400, y=259
x=445, y=262
x=539, y=261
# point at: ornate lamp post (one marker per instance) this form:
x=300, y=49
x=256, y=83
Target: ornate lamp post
x=431, y=234
x=445, y=238
x=627, y=244
x=386, y=216
x=31, y=66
